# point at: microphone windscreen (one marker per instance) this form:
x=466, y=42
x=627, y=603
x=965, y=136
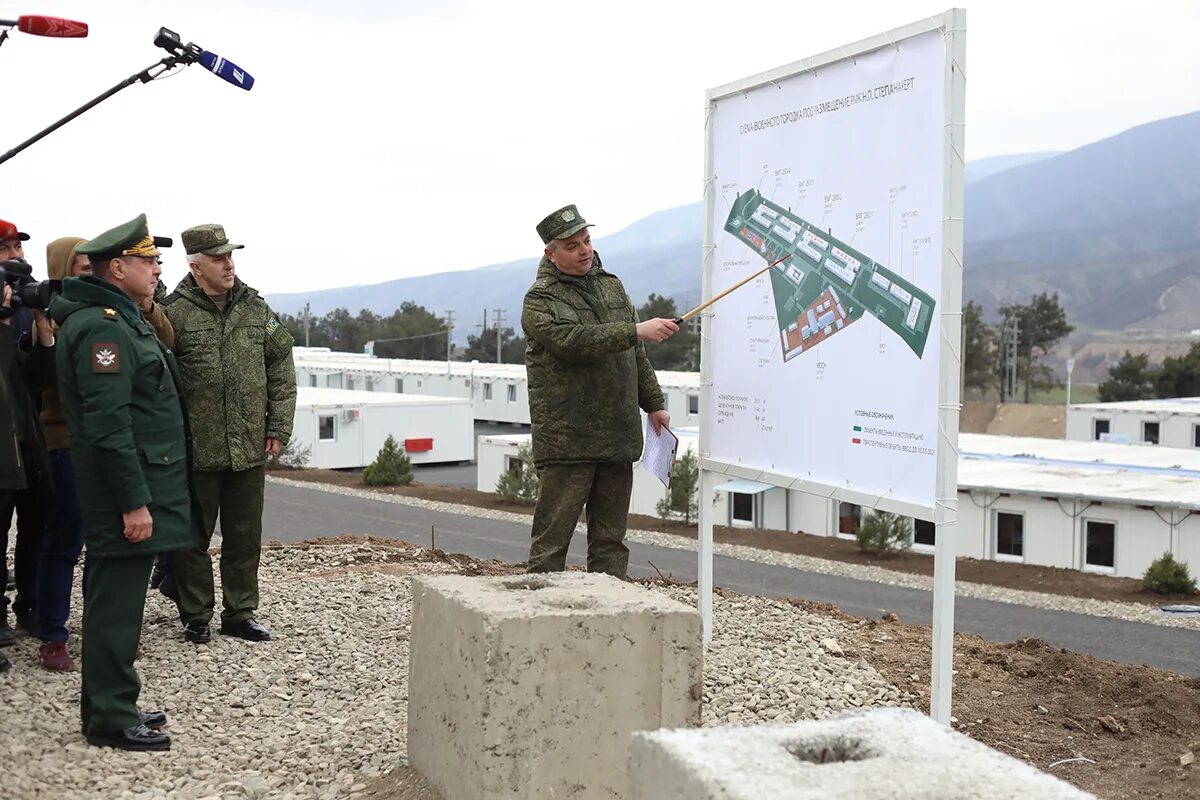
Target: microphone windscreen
x=52, y=26
x=226, y=70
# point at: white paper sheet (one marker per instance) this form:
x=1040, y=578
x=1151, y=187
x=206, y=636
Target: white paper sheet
x=659, y=455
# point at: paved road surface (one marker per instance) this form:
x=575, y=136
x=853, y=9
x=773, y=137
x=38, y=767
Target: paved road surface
x=294, y=514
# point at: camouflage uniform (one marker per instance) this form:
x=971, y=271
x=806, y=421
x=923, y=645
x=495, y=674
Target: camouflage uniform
x=240, y=386
x=588, y=375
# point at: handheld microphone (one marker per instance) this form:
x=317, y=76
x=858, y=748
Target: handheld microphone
x=227, y=70
x=56, y=27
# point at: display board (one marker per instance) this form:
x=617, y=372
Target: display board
x=826, y=369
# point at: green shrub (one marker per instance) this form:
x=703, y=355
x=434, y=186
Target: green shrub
x=881, y=532
x=681, y=500
x=1168, y=576
x=520, y=483
x=392, y=467
x=290, y=457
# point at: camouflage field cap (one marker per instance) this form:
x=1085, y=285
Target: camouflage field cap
x=207, y=239
x=128, y=239
x=561, y=224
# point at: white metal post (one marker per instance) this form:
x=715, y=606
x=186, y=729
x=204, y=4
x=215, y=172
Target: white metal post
x=707, y=478
x=1070, y=369
x=946, y=509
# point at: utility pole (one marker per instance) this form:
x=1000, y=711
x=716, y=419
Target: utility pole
x=500, y=312
x=449, y=333
x=1010, y=340
x=307, y=322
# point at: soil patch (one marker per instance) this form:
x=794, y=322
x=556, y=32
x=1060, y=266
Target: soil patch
x=1029, y=577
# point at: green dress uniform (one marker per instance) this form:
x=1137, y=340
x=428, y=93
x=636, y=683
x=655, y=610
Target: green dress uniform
x=239, y=381
x=588, y=376
x=121, y=399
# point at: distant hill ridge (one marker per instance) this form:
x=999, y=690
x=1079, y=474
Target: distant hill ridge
x=1113, y=226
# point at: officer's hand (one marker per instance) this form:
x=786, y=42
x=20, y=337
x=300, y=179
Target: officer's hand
x=7, y=303
x=272, y=447
x=656, y=330
x=660, y=420
x=138, y=524
x=45, y=328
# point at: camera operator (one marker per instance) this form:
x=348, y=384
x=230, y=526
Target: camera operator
x=26, y=485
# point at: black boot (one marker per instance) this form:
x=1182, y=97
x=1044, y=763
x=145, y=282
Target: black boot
x=138, y=737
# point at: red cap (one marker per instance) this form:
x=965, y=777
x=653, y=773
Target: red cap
x=9, y=231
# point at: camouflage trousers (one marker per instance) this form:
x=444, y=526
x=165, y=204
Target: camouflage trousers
x=237, y=498
x=604, y=488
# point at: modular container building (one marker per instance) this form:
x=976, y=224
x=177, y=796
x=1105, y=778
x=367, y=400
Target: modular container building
x=1167, y=423
x=343, y=428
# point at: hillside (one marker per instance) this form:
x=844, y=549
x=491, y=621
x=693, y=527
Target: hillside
x=1113, y=227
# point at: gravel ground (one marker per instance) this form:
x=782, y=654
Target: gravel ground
x=321, y=710
x=1131, y=612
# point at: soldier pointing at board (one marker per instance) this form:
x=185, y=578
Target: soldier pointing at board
x=588, y=376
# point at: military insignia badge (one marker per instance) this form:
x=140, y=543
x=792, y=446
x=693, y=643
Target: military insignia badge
x=110, y=312
x=106, y=357
x=568, y=216
x=272, y=324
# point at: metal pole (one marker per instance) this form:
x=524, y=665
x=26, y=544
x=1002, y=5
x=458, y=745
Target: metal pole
x=1070, y=368
x=500, y=312
x=449, y=333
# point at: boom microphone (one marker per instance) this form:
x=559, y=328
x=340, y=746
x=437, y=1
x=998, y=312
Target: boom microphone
x=227, y=70
x=56, y=27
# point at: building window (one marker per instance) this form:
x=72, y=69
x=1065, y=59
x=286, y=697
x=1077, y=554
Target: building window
x=849, y=516
x=1099, y=429
x=399, y=385
x=743, y=508
x=512, y=393
x=1150, y=432
x=350, y=383
x=924, y=532
x=693, y=404
x=325, y=429
x=1010, y=536
x=487, y=391
x=1100, y=548
x=334, y=381
x=312, y=380
x=1196, y=436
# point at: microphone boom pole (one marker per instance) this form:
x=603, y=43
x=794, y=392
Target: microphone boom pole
x=145, y=76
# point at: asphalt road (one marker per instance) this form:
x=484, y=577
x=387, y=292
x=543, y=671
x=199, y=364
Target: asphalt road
x=294, y=514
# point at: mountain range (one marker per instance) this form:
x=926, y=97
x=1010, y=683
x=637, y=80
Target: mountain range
x=1113, y=227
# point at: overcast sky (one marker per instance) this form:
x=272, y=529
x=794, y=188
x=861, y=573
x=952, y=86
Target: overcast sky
x=389, y=139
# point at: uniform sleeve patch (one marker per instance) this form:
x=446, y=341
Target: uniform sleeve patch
x=106, y=357
x=278, y=333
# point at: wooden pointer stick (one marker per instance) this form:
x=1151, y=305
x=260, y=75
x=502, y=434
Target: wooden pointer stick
x=738, y=285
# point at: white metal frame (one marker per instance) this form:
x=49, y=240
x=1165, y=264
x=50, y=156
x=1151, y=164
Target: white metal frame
x=1083, y=542
x=995, y=536
x=952, y=24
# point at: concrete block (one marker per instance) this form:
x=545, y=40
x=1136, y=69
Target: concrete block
x=881, y=754
x=530, y=686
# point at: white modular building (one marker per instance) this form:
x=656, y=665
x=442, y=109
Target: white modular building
x=344, y=428
x=498, y=392
x=1168, y=423
x=1093, y=506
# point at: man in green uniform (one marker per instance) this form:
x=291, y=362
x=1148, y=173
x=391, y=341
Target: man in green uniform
x=588, y=375
x=121, y=398
x=240, y=384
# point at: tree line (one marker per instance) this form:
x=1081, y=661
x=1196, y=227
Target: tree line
x=413, y=331
x=1135, y=378
x=1014, y=347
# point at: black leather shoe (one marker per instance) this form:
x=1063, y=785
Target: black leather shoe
x=25, y=621
x=153, y=719
x=8, y=637
x=249, y=629
x=197, y=632
x=139, y=737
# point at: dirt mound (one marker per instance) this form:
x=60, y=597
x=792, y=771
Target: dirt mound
x=1013, y=419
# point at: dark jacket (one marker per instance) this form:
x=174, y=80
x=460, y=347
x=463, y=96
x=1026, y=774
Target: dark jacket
x=24, y=461
x=238, y=374
x=120, y=393
x=588, y=373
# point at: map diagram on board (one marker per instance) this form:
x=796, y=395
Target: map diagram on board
x=822, y=284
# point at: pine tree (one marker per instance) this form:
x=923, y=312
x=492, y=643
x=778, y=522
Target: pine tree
x=392, y=467
x=681, y=497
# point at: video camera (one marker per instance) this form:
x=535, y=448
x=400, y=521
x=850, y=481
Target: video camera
x=26, y=291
